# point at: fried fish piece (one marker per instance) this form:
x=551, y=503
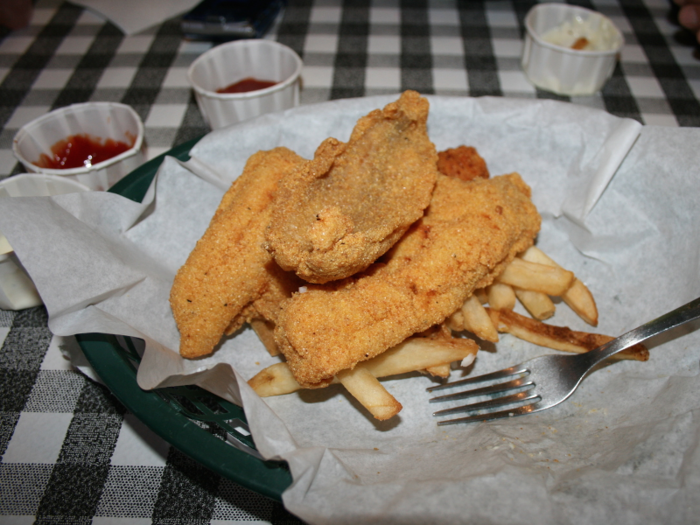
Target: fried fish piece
x=340, y=211
x=215, y=291
x=469, y=233
x=278, y=286
x=262, y=313
x=463, y=162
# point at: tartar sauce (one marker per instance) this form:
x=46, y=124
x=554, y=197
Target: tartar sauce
x=591, y=34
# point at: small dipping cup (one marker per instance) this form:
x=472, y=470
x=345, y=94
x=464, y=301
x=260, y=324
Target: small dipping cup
x=99, y=120
x=232, y=62
x=563, y=70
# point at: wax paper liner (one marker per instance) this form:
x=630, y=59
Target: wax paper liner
x=623, y=449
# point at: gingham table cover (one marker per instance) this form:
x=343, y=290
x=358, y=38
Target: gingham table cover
x=70, y=452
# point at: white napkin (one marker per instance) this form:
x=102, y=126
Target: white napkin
x=133, y=16
x=624, y=448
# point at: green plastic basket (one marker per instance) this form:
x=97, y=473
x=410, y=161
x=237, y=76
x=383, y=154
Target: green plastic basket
x=207, y=428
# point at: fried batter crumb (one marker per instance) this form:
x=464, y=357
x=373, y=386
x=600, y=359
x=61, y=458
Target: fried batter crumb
x=463, y=163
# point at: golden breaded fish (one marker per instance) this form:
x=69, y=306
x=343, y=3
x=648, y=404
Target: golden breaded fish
x=354, y=200
x=469, y=233
x=229, y=269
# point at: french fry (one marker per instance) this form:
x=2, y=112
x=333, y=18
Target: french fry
x=537, y=277
x=416, y=353
x=455, y=322
x=265, y=330
x=371, y=394
x=275, y=380
x=536, y=255
x=477, y=320
x=538, y=304
x=558, y=337
x=501, y=296
x=578, y=296
x=580, y=300
x=482, y=295
x=420, y=353
x=442, y=371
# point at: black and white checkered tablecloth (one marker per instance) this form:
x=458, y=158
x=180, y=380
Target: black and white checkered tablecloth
x=70, y=451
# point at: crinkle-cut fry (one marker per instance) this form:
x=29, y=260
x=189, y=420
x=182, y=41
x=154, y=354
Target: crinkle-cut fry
x=501, y=296
x=477, y=320
x=539, y=305
x=578, y=296
x=265, y=331
x=416, y=353
x=275, y=380
x=558, y=337
x=537, y=277
x=371, y=394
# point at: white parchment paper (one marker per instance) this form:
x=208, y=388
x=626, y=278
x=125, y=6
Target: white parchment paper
x=133, y=16
x=624, y=449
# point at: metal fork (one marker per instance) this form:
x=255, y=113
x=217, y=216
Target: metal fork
x=546, y=381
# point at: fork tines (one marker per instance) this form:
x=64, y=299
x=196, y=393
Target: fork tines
x=515, y=390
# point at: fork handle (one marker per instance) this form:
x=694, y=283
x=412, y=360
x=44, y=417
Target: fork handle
x=672, y=319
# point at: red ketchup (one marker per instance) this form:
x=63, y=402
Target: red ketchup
x=78, y=151
x=246, y=85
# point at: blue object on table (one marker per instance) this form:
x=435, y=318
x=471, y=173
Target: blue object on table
x=230, y=19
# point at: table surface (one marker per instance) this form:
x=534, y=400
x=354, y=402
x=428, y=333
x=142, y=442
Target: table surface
x=70, y=450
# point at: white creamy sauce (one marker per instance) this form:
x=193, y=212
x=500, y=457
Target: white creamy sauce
x=599, y=33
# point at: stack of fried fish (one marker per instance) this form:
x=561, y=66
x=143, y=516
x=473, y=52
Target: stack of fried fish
x=348, y=254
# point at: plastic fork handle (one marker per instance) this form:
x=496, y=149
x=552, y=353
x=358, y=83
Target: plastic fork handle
x=677, y=317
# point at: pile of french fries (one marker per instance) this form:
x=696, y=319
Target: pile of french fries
x=430, y=353
x=532, y=279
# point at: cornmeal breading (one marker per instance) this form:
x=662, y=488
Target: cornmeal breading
x=340, y=211
x=229, y=270
x=463, y=162
x=470, y=231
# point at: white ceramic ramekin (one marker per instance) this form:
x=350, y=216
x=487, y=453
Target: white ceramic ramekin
x=99, y=120
x=229, y=63
x=563, y=70
x=16, y=288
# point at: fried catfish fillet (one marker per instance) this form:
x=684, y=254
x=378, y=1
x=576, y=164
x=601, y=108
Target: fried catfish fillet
x=469, y=233
x=229, y=269
x=279, y=286
x=262, y=313
x=354, y=200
